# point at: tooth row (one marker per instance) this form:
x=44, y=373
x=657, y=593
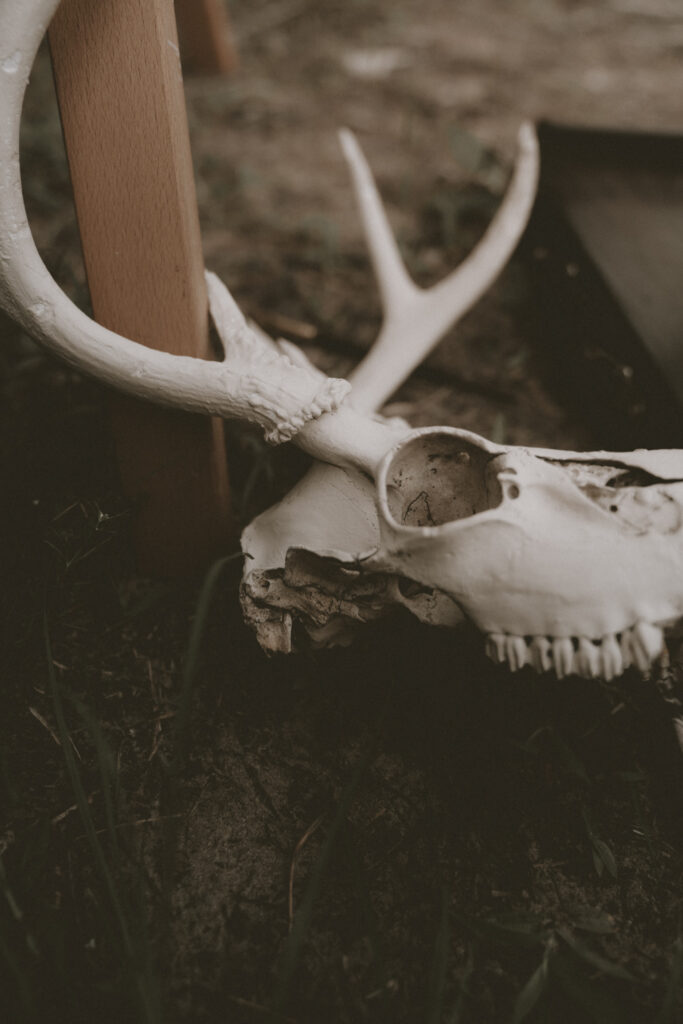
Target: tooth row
x=605, y=658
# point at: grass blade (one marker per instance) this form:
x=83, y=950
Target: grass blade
x=533, y=990
x=593, y=959
x=145, y=990
x=105, y=762
x=302, y=920
x=439, y=971
x=193, y=658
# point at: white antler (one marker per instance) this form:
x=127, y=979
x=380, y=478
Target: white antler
x=566, y=560
x=255, y=382
x=258, y=381
x=416, y=318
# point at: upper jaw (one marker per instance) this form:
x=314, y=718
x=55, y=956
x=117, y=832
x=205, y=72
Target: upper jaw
x=571, y=566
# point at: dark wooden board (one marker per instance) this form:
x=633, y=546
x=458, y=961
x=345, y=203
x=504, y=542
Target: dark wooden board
x=606, y=242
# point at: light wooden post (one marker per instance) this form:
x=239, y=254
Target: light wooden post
x=120, y=92
x=206, y=42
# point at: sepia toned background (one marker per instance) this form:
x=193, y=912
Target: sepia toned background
x=394, y=832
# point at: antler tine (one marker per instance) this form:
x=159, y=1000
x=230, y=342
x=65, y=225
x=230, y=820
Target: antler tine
x=395, y=286
x=415, y=319
x=256, y=382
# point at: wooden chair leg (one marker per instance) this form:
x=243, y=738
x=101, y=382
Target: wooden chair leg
x=120, y=92
x=206, y=42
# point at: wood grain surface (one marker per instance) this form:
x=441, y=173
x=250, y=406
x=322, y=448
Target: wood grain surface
x=120, y=91
x=206, y=42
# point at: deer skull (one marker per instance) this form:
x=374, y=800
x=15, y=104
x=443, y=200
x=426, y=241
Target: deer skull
x=565, y=561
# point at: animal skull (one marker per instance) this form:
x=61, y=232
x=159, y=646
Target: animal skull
x=565, y=561
x=539, y=549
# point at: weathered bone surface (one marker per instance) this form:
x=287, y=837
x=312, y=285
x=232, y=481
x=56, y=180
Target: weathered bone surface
x=569, y=562
x=256, y=381
x=566, y=561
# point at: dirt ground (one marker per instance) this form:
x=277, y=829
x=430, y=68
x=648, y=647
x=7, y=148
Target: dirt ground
x=393, y=832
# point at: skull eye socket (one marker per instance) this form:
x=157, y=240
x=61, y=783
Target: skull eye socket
x=438, y=478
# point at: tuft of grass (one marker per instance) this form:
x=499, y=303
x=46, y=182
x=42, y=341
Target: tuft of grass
x=127, y=934
x=193, y=659
x=569, y=971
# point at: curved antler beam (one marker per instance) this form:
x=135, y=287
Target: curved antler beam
x=256, y=382
x=563, y=560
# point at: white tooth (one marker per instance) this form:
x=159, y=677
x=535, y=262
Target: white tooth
x=516, y=652
x=626, y=648
x=647, y=643
x=563, y=656
x=539, y=654
x=587, y=659
x=495, y=648
x=610, y=655
x=639, y=646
